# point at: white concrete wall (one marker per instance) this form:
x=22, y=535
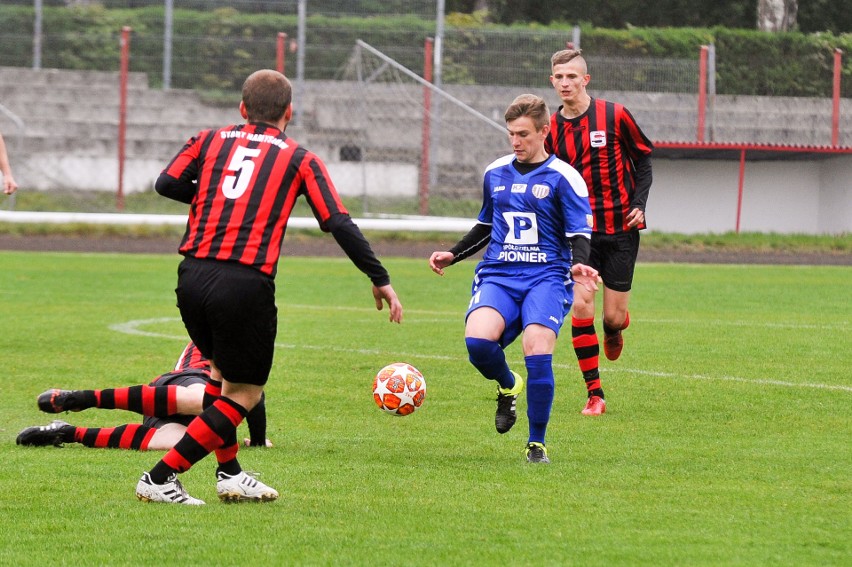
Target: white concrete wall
x=835, y=206
x=783, y=196
x=46, y=171
x=688, y=196
x=70, y=142
x=374, y=179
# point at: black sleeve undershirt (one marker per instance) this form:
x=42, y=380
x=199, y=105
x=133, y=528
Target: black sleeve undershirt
x=350, y=238
x=581, y=247
x=644, y=177
x=472, y=242
x=182, y=190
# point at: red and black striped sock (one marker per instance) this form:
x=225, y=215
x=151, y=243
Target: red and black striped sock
x=154, y=401
x=131, y=436
x=226, y=455
x=587, y=348
x=211, y=430
x=212, y=391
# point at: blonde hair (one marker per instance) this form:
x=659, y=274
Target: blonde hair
x=529, y=105
x=566, y=56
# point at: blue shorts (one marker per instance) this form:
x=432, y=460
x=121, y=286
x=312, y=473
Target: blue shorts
x=540, y=298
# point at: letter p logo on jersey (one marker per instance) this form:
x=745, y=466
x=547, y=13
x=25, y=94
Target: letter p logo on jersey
x=523, y=228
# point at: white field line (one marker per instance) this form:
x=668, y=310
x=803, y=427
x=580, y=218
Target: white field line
x=765, y=381
x=842, y=325
x=133, y=328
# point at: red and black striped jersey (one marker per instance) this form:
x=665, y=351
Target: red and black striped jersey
x=605, y=144
x=191, y=358
x=247, y=178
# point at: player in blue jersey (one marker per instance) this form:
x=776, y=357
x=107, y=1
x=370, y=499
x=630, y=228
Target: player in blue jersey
x=536, y=224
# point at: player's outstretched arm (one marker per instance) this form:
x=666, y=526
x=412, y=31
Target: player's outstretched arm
x=440, y=260
x=475, y=240
x=387, y=294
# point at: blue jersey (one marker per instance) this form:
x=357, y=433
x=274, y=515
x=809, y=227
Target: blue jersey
x=532, y=215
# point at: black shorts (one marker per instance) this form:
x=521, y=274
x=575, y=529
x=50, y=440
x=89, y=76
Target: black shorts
x=614, y=257
x=229, y=312
x=185, y=378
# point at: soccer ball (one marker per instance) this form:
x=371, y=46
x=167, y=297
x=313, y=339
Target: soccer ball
x=399, y=388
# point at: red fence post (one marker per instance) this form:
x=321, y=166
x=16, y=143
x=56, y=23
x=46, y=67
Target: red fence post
x=426, y=133
x=740, y=188
x=702, y=92
x=122, y=114
x=835, y=114
x=279, y=52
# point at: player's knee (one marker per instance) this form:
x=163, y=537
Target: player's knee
x=616, y=318
x=481, y=351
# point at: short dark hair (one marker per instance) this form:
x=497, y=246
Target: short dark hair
x=529, y=105
x=266, y=95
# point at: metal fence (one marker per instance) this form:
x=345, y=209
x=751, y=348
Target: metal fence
x=361, y=113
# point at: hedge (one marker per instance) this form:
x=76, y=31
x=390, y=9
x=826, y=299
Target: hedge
x=215, y=49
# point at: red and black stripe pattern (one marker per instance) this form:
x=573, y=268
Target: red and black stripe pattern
x=248, y=178
x=226, y=455
x=206, y=433
x=191, y=358
x=130, y=436
x=602, y=144
x=587, y=348
x=153, y=401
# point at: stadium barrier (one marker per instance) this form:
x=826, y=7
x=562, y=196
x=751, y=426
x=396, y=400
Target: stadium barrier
x=405, y=223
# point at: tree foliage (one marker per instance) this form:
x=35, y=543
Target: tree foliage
x=214, y=49
x=813, y=15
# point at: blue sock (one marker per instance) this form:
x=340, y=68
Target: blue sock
x=487, y=357
x=540, y=389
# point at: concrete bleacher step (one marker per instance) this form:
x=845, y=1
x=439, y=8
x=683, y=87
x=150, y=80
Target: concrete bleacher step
x=78, y=113
x=66, y=77
x=75, y=113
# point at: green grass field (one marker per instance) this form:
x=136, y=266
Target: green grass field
x=726, y=440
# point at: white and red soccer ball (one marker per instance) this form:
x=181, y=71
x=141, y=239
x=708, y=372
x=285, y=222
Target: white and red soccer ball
x=399, y=388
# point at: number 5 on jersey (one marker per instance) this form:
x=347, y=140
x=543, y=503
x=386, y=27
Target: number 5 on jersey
x=242, y=166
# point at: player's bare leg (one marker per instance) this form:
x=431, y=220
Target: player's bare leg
x=189, y=399
x=166, y=437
